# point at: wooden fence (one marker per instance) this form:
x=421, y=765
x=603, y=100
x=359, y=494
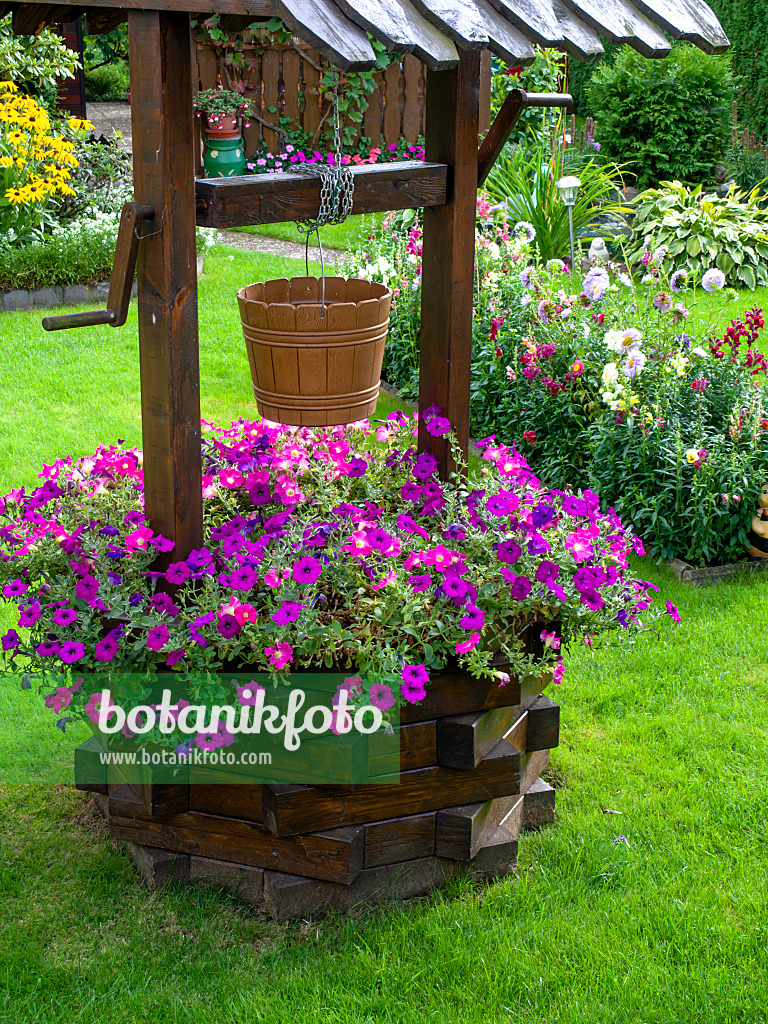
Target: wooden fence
x=286, y=77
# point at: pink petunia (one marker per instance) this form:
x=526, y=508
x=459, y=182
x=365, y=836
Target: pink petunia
x=249, y=693
x=381, y=696
x=465, y=646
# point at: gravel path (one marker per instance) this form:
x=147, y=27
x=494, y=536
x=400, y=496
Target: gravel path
x=279, y=247
x=109, y=118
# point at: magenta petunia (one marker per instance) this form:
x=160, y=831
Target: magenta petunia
x=177, y=572
x=279, y=655
x=419, y=583
x=87, y=588
x=381, y=696
x=673, y=613
x=16, y=588
x=243, y=578
x=307, y=570
x=287, y=612
x=473, y=619
x=412, y=691
x=72, y=651
x=157, y=638
x=106, y=649
x=30, y=614
x=465, y=646
x=175, y=657
x=49, y=648
x=509, y=552
x=10, y=641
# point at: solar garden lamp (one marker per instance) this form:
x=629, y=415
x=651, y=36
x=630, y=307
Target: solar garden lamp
x=568, y=188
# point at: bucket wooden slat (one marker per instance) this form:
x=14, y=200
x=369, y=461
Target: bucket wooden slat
x=282, y=317
x=368, y=312
x=304, y=289
x=341, y=316
x=278, y=290
x=309, y=320
x=313, y=370
x=310, y=370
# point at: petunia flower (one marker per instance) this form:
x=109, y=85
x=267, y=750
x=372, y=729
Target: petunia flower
x=157, y=638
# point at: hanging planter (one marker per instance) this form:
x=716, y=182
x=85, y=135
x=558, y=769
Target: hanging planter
x=311, y=369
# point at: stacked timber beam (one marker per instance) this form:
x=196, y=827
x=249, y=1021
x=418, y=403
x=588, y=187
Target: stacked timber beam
x=472, y=757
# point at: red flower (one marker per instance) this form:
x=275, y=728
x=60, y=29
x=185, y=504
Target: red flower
x=530, y=436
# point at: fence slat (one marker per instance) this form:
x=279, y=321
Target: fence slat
x=291, y=84
x=411, y=75
x=312, y=100
x=270, y=71
x=208, y=65
x=392, y=104
x=372, y=117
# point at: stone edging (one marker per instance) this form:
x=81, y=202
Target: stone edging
x=702, y=577
x=59, y=295
x=19, y=299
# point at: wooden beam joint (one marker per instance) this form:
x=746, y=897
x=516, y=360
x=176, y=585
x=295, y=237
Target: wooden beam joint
x=506, y=119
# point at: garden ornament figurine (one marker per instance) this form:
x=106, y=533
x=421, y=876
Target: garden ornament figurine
x=757, y=536
x=598, y=251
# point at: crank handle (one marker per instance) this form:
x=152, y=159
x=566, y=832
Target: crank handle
x=126, y=251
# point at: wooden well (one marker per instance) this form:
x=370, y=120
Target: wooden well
x=472, y=757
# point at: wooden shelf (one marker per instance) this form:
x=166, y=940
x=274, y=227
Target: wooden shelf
x=272, y=198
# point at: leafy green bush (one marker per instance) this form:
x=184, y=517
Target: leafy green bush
x=35, y=62
x=581, y=73
x=748, y=167
x=542, y=75
x=702, y=229
x=524, y=178
x=108, y=83
x=78, y=254
x=664, y=118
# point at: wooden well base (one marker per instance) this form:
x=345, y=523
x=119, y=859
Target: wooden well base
x=472, y=756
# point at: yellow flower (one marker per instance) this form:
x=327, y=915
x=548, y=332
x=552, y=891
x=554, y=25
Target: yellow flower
x=16, y=137
x=15, y=196
x=79, y=122
x=6, y=161
x=6, y=86
x=691, y=455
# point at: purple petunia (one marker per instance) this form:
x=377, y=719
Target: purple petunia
x=228, y=626
x=243, y=578
x=508, y=552
x=49, y=648
x=72, y=651
x=547, y=572
x=473, y=619
x=30, y=614
x=16, y=588
x=87, y=588
x=306, y=571
x=106, y=649
x=65, y=616
x=157, y=638
x=380, y=696
x=419, y=583
x=542, y=515
x=673, y=613
x=287, y=612
x=10, y=641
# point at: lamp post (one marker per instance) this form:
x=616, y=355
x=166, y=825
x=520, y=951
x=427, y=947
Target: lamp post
x=568, y=188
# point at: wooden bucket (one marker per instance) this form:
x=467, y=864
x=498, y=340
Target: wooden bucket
x=309, y=370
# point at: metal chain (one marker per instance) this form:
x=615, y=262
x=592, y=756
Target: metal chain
x=337, y=191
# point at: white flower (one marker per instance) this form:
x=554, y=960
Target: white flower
x=610, y=374
x=698, y=351
x=626, y=280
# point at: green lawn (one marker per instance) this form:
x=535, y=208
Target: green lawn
x=335, y=236
x=670, y=927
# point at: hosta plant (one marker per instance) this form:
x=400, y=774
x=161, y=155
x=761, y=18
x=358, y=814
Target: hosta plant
x=701, y=229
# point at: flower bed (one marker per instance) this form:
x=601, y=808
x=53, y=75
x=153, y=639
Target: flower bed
x=336, y=548
x=602, y=385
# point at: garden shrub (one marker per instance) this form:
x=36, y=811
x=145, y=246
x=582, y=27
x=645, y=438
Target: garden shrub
x=580, y=74
x=666, y=118
x=701, y=229
x=110, y=82
x=35, y=62
x=746, y=25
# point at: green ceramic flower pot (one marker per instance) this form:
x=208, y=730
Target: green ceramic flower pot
x=224, y=157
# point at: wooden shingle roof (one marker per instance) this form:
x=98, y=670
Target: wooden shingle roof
x=433, y=29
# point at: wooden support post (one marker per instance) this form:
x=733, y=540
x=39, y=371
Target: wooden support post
x=452, y=117
x=164, y=178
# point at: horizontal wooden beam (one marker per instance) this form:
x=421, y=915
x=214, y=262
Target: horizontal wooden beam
x=517, y=100
x=256, y=8
x=273, y=198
